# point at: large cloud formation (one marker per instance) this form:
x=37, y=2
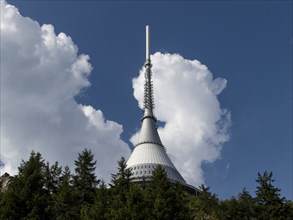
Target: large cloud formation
x=41, y=73
x=186, y=101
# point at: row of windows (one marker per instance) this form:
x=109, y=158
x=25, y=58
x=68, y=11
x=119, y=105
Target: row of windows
x=141, y=172
x=148, y=169
x=144, y=166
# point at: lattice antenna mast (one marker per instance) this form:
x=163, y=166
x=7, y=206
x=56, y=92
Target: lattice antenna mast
x=148, y=86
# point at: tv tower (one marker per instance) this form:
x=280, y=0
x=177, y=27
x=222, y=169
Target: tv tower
x=149, y=151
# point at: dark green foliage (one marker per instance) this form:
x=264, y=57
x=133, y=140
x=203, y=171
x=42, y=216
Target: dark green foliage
x=165, y=199
x=205, y=206
x=121, y=180
x=41, y=191
x=246, y=205
x=269, y=203
x=26, y=197
x=237, y=208
x=52, y=177
x=120, y=187
x=66, y=205
x=85, y=180
x=266, y=193
x=159, y=199
x=99, y=209
x=136, y=204
x=51, y=181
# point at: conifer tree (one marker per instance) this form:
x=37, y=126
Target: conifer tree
x=52, y=177
x=120, y=185
x=270, y=204
x=85, y=180
x=121, y=180
x=165, y=198
x=66, y=204
x=41, y=191
x=26, y=197
x=51, y=182
x=246, y=205
x=266, y=193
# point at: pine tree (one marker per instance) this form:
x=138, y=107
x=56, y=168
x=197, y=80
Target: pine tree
x=26, y=197
x=121, y=180
x=66, y=204
x=164, y=198
x=85, y=180
x=51, y=182
x=120, y=186
x=52, y=177
x=246, y=205
x=270, y=204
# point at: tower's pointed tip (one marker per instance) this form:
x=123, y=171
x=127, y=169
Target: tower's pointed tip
x=147, y=42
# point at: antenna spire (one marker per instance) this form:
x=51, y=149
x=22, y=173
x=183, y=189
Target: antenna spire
x=148, y=86
x=147, y=38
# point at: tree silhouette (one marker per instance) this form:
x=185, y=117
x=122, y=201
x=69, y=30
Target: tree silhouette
x=269, y=203
x=26, y=196
x=85, y=180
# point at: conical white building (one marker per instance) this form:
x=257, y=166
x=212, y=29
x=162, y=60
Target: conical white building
x=149, y=151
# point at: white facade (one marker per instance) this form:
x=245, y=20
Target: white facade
x=150, y=153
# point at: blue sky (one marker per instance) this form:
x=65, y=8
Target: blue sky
x=247, y=43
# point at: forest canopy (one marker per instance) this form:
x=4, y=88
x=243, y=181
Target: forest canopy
x=48, y=191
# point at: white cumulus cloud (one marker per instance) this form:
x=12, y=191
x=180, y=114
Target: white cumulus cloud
x=41, y=73
x=185, y=96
